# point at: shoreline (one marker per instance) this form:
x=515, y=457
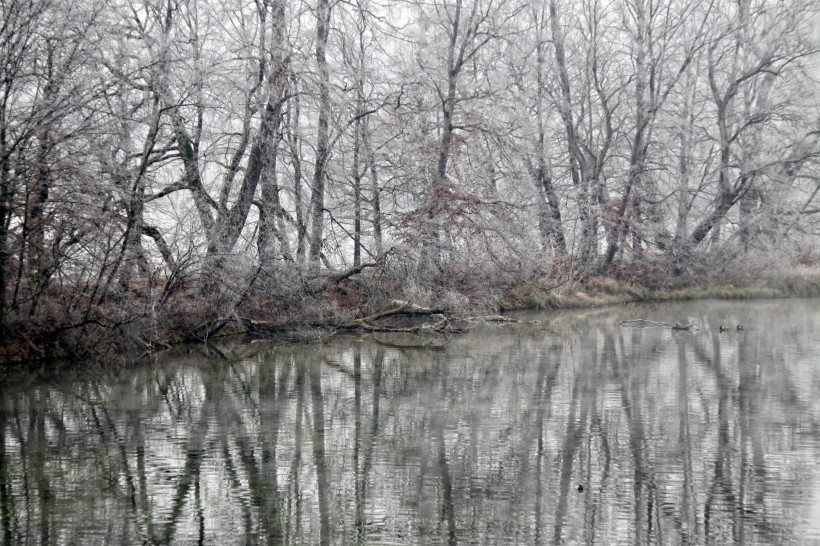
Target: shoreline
x=335, y=317
x=606, y=292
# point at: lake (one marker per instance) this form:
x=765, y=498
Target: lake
x=564, y=428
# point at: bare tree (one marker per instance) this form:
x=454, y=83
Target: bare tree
x=317, y=196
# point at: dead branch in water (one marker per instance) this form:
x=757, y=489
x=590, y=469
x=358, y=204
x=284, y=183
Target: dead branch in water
x=437, y=322
x=675, y=326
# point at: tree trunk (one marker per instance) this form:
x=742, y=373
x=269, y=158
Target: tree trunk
x=686, y=129
x=357, y=193
x=296, y=163
x=375, y=191
x=637, y=157
x=35, y=222
x=317, y=198
x=5, y=215
x=577, y=160
x=749, y=218
x=270, y=207
x=230, y=222
x=271, y=228
x=549, y=217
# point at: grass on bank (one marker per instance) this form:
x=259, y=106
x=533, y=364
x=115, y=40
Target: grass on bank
x=601, y=291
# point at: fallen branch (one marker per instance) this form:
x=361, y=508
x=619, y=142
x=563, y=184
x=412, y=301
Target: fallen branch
x=344, y=275
x=403, y=308
x=426, y=342
x=494, y=319
x=642, y=321
x=332, y=280
x=687, y=327
x=440, y=326
x=675, y=326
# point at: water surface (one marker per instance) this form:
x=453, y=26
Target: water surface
x=673, y=437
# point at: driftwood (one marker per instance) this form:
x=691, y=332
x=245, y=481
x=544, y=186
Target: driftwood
x=402, y=308
x=687, y=327
x=675, y=326
x=406, y=308
x=492, y=319
x=441, y=324
x=402, y=341
x=434, y=321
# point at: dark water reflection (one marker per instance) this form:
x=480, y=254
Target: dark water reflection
x=676, y=438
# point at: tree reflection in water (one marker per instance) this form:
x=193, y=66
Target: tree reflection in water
x=675, y=437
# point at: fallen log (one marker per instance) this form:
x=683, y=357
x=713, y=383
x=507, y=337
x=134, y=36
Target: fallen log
x=675, y=326
x=492, y=319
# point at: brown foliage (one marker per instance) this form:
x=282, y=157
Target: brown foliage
x=446, y=207
x=652, y=274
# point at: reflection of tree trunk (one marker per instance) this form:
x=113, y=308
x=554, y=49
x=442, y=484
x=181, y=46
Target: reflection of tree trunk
x=642, y=475
x=362, y=470
x=688, y=509
x=539, y=456
x=293, y=474
x=745, y=412
x=367, y=462
x=236, y=483
x=447, y=508
x=357, y=428
x=723, y=467
x=121, y=451
x=544, y=384
x=6, y=500
x=572, y=439
x=194, y=452
x=319, y=451
x=751, y=435
x=595, y=377
x=45, y=496
x=722, y=480
x=199, y=511
x=262, y=472
x=597, y=494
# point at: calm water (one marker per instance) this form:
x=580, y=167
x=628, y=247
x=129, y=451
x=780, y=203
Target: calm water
x=675, y=437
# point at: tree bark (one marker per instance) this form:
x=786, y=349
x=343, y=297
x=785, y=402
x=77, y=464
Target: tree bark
x=271, y=211
x=5, y=214
x=375, y=192
x=549, y=217
x=577, y=160
x=230, y=222
x=317, y=199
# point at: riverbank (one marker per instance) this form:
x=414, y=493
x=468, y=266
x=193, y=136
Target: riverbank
x=601, y=291
x=367, y=303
